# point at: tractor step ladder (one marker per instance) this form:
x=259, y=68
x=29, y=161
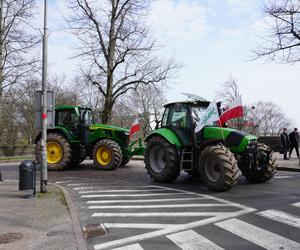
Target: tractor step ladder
x=186, y=162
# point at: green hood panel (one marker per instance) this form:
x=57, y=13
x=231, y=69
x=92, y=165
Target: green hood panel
x=108, y=127
x=166, y=134
x=236, y=140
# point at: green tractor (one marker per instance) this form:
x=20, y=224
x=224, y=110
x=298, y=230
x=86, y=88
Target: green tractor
x=74, y=138
x=217, y=155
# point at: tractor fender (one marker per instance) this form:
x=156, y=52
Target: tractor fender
x=61, y=131
x=167, y=134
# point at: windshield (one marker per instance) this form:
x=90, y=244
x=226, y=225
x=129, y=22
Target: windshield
x=197, y=112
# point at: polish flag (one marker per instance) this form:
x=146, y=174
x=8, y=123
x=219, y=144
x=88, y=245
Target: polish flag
x=235, y=109
x=135, y=127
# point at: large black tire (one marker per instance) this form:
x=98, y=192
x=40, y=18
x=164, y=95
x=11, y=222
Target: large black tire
x=218, y=168
x=161, y=160
x=107, y=155
x=265, y=174
x=62, y=147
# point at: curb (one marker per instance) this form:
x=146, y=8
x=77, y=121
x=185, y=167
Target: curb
x=80, y=242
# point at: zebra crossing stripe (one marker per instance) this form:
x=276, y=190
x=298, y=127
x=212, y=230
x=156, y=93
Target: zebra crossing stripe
x=166, y=214
x=143, y=201
x=296, y=204
x=118, y=191
x=161, y=206
x=190, y=240
x=258, y=235
x=286, y=218
x=127, y=195
x=130, y=247
x=139, y=225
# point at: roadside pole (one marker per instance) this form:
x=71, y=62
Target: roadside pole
x=44, y=177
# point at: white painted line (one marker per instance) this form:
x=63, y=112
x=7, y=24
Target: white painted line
x=60, y=182
x=130, y=247
x=282, y=177
x=73, y=184
x=296, y=204
x=190, y=240
x=282, y=217
x=161, y=206
x=165, y=214
x=143, y=201
x=258, y=235
x=175, y=229
x=119, y=191
x=139, y=225
x=238, y=205
x=127, y=195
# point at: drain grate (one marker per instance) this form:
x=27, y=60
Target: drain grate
x=93, y=230
x=10, y=237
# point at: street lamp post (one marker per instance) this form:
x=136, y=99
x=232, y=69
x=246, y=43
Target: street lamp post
x=44, y=177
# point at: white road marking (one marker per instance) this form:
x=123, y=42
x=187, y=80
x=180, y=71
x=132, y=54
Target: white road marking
x=183, y=227
x=258, y=235
x=119, y=191
x=73, y=184
x=130, y=247
x=142, y=201
x=171, y=230
x=190, y=240
x=160, y=214
x=162, y=206
x=286, y=218
x=126, y=195
x=282, y=177
x=296, y=204
x=139, y=225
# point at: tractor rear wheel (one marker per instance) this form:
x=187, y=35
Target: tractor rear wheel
x=218, y=168
x=59, y=155
x=161, y=160
x=107, y=155
x=263, y=174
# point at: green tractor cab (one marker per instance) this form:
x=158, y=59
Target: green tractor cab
x=218, y=155
x=76, y=137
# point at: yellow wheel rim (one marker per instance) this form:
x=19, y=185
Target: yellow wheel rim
x=54, y=152
x=103, y=155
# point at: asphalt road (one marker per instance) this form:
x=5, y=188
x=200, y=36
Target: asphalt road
x=141, y=214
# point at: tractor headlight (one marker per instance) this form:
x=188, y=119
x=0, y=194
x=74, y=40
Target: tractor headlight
x=252, y=143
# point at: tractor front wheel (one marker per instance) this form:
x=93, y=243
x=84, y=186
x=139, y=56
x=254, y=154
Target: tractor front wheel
x=59, y=155
x=262, y=174
x=218, y=168
x=107, y=155
x=161, y=160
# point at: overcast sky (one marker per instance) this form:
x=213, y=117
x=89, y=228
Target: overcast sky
x=213, y=39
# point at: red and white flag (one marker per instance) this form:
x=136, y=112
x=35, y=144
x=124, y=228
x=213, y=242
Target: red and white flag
x=135, y=127
x=235, y=109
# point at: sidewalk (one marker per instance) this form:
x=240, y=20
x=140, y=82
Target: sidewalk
x=46, y=222
x=290, y=165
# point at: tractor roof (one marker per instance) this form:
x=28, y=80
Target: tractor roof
x=190, y=102
x=66, y=107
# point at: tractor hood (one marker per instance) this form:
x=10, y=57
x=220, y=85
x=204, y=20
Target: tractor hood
x=236, y=140
x=108, y=127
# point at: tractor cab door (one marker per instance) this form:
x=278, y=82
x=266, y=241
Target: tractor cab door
x=176, y=118
x=69, y=119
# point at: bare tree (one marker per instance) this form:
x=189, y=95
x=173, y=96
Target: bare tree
x=116, y=48
x=228, y=91
x=17, y=40
x=283, y=41
x=268, y=118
